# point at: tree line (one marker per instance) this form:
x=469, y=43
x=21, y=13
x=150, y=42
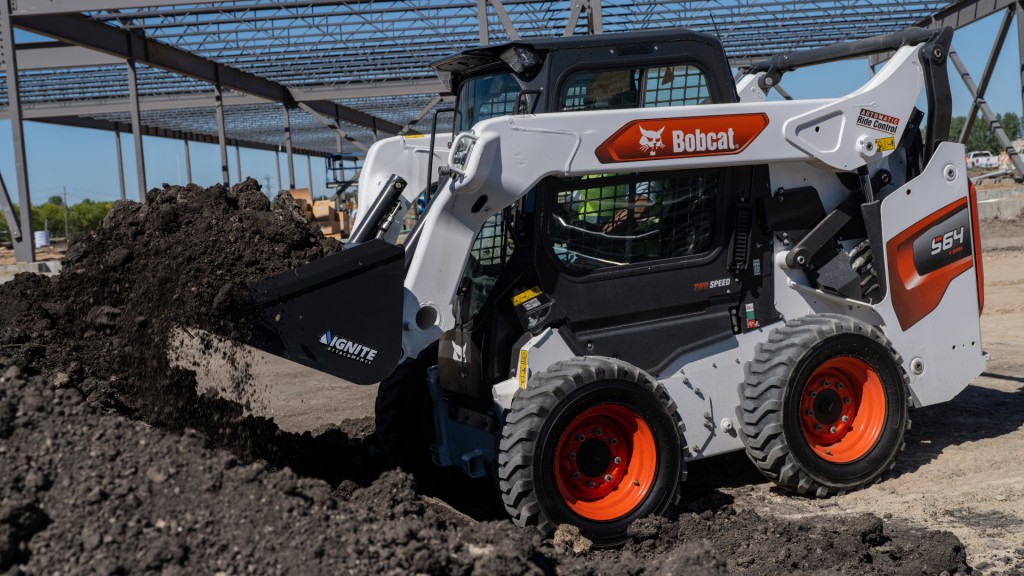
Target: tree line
x=82, y=218
x=981, y=136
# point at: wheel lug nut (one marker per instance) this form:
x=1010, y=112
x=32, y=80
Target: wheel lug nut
x=824, y=383
x=607, y=477
x=839, y=385
x=575, y=475
x=613, y=441
x=846, y=418
x=618, y=460
x=813, y=394
x=636, y=482
x=846, y=400
x=832, y=430
x=572, y=455
x=581, y=437
x=810, y=412
x=590, y=484
x=598, y=431
x=817, y=427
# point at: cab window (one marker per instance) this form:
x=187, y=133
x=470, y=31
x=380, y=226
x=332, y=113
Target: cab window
x=656, y=86
x=614, y=220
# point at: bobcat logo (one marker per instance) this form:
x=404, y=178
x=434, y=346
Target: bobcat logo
x=650, y=141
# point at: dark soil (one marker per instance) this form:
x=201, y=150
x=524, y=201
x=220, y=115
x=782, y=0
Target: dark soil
x=112, y=462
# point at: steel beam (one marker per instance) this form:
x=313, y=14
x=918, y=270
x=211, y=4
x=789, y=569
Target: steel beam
x=960, y=14
x=33, y=111
x=330, y=123
x=61, y=6
x=48, y=55
x=21, y=236
x=992, y=119
x=288, y=147
x=101, y=124
x=997, y=48
x=140, y=159
x=221, y=136
x=82, y=31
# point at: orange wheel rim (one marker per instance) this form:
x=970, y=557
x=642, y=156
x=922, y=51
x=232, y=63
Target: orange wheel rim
x=605, y=462
x=842, y=409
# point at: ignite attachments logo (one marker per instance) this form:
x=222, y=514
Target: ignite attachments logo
x=348, y=348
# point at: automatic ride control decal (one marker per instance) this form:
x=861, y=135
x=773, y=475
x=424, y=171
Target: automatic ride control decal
x=925, y=258
x=664, y=138
x=878, y=121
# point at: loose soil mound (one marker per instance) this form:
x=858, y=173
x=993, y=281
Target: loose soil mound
x=189, y=483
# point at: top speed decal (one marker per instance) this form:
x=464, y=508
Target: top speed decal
x=663, y=138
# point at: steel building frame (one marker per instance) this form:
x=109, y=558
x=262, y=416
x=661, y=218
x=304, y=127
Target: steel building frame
x=309, y=76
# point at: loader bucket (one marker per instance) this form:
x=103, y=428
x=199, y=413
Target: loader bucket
x=341, y=314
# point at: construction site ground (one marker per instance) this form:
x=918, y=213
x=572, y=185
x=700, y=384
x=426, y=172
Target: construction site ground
x=962, y=469
x=133, y=440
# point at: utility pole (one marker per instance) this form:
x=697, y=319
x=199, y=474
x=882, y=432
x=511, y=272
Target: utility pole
x=65, y=214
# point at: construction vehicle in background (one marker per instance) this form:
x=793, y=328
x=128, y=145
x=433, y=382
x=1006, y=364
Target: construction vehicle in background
x=626, y=261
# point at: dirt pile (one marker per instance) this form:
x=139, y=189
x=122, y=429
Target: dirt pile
x=86, y=490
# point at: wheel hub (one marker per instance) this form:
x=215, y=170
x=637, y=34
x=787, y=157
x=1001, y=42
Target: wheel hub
x=605, y=462
x=842, y=409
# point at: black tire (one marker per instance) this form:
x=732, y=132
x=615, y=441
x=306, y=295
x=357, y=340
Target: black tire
x=792, y=424
x=404, y=415
x=578, y=393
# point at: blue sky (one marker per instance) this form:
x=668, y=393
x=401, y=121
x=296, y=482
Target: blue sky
x=85, y=160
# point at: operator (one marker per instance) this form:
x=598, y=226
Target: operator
x=609, y=206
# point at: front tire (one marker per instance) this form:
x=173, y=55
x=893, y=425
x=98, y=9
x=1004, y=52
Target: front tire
x=824, y=405
x=593, y=442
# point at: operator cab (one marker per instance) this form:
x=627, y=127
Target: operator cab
x=604, y=257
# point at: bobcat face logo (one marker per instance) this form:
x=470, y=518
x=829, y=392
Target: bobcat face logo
x=650, y=141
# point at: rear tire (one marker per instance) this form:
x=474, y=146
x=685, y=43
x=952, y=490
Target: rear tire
x=593, y=442
x=824, y=405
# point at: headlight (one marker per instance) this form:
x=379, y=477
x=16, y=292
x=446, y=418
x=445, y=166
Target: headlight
x=461, y=149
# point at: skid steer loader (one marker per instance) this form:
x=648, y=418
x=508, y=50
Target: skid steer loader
x=626, y=261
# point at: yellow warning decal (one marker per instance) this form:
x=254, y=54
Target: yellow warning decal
x=522, y=368
x=526, y=295
x=885, y=144
x=409, y=136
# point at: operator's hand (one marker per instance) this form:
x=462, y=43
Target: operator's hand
x=640, y=206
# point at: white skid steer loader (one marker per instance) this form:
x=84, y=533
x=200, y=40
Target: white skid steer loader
x=626, y=261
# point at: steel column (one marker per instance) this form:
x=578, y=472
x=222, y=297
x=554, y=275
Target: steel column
x=277, y=164
x=309, y=173
x=21, y=236
x=1019, y=9
x=120, y=160
x=221, y=137
x=997, y=48
x=288, y=147
x=481, y=17
x=993, y=121
x=238, y=161
x=140, y=159
x=188, y=162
